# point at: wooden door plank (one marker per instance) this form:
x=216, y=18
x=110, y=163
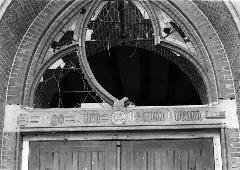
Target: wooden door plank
x=167, y=155
x=184, y=160
x=150, y=160
x=62, y=165
x=43, y=160
x=87, y=161
x=81, y=159
x=68, y=161
x=94, y=160
x=204, y=157
x=56, y=161
x=198, y=153
x=192, y=160
x=164, y=159
x=84, y=155
x=177, y=159
x=141, y=155
x=34, y=156
x=138, y=157
x=169, y=159
x=101, y=160
x=110, y=155
x=74, y=161
x=208, y=161
x=143, y=160
x=49, y=160
x=158, y=160
x=127, y=158
x=139, y=160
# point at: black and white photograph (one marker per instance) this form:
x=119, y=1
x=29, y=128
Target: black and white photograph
x=119, y=84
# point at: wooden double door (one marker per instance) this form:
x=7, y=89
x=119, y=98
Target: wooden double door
x=188, y=154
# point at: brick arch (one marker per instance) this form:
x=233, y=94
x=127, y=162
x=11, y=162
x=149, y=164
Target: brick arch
x=29, y=52
x=39, y=57
x=15, y=18
x=211, y=42
x=31, y=46
x=27, y=49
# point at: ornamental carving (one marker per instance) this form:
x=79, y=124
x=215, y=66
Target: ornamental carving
x=119, y=117
x=22, y=120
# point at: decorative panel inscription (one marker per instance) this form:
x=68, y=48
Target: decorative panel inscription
x=188, y=116
x=150, y=117
x=121, y=117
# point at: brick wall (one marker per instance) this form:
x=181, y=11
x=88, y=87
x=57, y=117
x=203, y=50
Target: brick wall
x=212, y=43
x=13, y=25
x=28, y=48
x=8, y=154
x=222, y=21
x=2, y=109
x=233, y=149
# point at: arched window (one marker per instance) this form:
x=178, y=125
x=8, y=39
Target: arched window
x=124, y=60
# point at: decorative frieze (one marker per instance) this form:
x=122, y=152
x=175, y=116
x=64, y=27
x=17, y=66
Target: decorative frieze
x=135, y=116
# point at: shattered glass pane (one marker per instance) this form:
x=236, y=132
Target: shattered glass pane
x=63, y=85
x=172, y=32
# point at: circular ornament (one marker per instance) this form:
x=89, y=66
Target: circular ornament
x=22, y=120
x=119, y=117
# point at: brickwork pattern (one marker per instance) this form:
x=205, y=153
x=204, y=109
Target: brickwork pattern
x=189, y=27
x=2, y=109
x=233, y=148
x=8, y=152
x=27, y=49
x=223, y=22
x=214, y=46
x=13, y=25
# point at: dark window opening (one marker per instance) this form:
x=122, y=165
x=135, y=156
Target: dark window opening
x=145, y=77
x=63, y=85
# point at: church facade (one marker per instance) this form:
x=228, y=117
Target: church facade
x=119, y=84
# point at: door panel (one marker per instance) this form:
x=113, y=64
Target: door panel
x=188, y=154
x=192, y=154
x=84, y=155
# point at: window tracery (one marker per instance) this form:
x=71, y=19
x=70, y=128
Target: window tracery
x=114, y=23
